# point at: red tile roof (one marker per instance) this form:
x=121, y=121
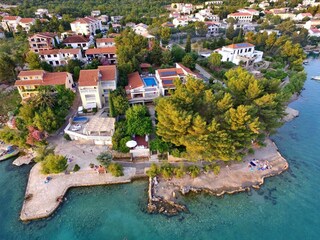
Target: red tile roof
x=76, y=39
x=134, y=81
x=104, y=50
x=105, y=40
x=55, y=78
x=237, y=14
x=108, y=73
x=10, y=18
x=44, y=35
x=145, y=65
x=57, y=51
x=85, y=20
x=91, y=77
x=26, y=20
x=88, y=77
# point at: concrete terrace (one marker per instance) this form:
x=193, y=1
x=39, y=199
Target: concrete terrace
x=43, y=201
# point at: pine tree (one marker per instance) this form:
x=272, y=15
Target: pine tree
x=188, y=44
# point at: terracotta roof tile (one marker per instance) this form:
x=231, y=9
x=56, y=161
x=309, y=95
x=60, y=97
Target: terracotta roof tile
x=76, y=39
x=10, y=18
x=105, y=40
x=57, y=51
x=240, y=45
x=104, y=50
x=108, y=72
x=56, y=78
x=88, y=77
x=134, y=81
x=26, y=20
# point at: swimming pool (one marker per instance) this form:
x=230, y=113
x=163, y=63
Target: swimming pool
x=80, y=119
x=150, y=81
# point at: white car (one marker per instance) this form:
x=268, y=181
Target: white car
x=76, y=127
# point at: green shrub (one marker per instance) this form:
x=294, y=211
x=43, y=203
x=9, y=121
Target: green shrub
x=67, y=137
x=180, y=172
x=167, y=170
x=53, y=164
x=91, y=165
x=115, y=169
x=194, y=171
x=153, y=170
x=175, y=152
x=216, y=170
x=76, y=168
x=104, y=158
x=123, y=147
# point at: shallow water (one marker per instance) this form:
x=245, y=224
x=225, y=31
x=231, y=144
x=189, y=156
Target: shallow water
x=286, y=207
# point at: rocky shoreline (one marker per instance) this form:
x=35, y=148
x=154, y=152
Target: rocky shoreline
x=233, y=178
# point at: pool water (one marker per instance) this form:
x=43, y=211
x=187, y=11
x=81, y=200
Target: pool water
x=150, y=81
x=80, y=119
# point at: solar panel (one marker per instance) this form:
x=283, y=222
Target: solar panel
x=164, y=74
x=167, y=82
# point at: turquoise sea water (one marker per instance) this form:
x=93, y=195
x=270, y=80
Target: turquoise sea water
x=286, y=207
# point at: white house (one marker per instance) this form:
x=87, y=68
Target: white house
x=86, y=25
x=41, y=12
x=185, y=8
x=78, y=41
x=301, y=16
x=26, y=23
x=95, y=13
x=10, y=23
x=105, y=42
x=141, y=89
x=241, y=17
x=43, y=41
x=312, y=24
x=104, y=54
x=165, y=77
x=116, y=19
x=310, y=3
x=314, y=32
x=95, y=84
x=240, y=52
x=213, y=28
x=60, y=57
x=142, y=29
x=181, y=21
x=250, y=11
x=206, y=15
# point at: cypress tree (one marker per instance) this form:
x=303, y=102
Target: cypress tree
x=188, y=44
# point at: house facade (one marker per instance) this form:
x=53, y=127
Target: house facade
x=241, y=17
x=26, y=23
x=43, y=41
x=78, y=41
x=60, y=57
x=86, y=25
x=240, y=52
x=213, y=28
x=95, y=84
x=165, y=77
x=104, y=54
x=29, y=81
x=10, y=23
x=141, y=89
x=105, y=42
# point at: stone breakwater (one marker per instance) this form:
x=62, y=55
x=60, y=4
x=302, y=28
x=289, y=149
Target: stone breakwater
x=233, y=178
x=42, y=199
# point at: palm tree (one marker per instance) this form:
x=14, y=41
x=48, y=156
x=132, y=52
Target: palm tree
x=44, y=99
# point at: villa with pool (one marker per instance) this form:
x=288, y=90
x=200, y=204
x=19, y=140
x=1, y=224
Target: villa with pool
x=143, y=88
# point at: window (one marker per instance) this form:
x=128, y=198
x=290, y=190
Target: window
x=55, y=55
x=57, y=62
x=50, y=62
x=249, y=50
x=49, y=56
